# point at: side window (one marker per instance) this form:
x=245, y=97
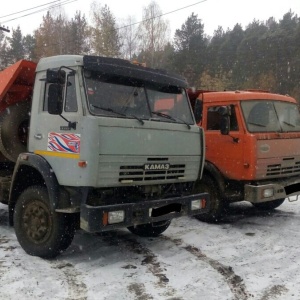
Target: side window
x=71, y=99
x=45, y=104
x=70, y=96
x=214, y=119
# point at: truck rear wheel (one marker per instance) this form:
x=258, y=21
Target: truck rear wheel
x=150, y=229
x=39, y=230
x=217, y=204
x=269, y=205
x=14, y=124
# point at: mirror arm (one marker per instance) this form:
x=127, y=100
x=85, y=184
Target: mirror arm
x=72, y=71
x=71, y=125
x=235, y=139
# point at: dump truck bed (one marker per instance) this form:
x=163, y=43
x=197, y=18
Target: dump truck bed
x=16, y=83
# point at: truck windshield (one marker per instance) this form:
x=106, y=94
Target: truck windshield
x=114, y=99
x=271, y=116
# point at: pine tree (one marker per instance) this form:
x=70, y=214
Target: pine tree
x=29, y=46
x=191, y=49
x=16, y=48
x=78, y=40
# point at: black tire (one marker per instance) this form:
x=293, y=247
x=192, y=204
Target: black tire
x=269, y=205
x=150, y=229
x=217, y=204
x=39, y=230
x=14, y=124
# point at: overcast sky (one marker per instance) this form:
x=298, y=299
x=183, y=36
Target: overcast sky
x=213, y=13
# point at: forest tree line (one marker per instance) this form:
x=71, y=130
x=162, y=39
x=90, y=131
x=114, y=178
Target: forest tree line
x=265, y=55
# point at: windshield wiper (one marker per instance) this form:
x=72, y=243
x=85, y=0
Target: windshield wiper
x=118, y=113
x=289, y=124
x=163, y=115
x=257, y=124
x=160, y=114
x=108, y=109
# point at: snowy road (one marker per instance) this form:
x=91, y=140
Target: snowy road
x=251, y=255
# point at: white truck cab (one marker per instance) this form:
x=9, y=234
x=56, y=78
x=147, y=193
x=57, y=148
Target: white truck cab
x=107, y=147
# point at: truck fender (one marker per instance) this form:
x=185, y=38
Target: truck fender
x=31, y=169
x=211, y=170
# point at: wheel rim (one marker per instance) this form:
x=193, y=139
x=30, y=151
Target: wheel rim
x=37, y=221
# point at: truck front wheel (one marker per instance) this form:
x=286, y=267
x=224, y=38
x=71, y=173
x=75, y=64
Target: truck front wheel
x=217, y=204
x=269, y=205
x=151, y=229
x=40, y=230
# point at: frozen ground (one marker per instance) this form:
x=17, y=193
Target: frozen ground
x=251, y=255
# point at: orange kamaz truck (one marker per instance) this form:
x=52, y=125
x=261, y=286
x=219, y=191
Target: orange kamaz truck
x=252, y=148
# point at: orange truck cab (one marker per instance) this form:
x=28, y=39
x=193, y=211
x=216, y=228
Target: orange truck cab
x=252, y=148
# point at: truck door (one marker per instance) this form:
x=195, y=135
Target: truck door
x=223, y=151
x=51, y=136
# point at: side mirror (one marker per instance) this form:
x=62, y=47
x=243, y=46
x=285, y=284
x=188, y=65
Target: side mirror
x=225, y=112
x=55, y=76
x=198, y=109
x=55, y=99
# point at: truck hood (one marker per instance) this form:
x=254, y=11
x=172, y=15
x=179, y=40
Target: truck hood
x=122, y=150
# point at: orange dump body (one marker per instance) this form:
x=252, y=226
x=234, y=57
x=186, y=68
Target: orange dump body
x=16, y=83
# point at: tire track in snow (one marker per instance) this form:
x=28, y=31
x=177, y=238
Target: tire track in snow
x=138, y=289
x=150, y=261
x=77, y=289
x=3, y=240
x=235, y=282
x=274, y=292
x=3, y=244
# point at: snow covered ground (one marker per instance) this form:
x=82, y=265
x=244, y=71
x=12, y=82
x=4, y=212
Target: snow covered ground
x=251, y=255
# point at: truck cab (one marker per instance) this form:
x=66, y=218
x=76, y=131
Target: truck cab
x=102, y=151
x=252, y=147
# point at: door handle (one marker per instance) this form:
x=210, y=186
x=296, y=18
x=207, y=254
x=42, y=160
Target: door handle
x=38, y=136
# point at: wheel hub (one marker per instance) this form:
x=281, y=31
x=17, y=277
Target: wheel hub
x=37, y=221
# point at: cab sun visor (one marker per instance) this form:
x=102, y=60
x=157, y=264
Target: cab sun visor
x=124, y=71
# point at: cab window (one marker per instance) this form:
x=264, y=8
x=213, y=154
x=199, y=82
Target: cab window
x=214, y=119
x=71, y=99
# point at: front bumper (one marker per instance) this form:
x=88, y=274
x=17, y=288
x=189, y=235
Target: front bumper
x=281, y=189
x=94, y=218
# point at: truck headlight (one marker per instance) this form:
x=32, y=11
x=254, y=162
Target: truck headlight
x=267, y=193
x=198, y=204
x=117, y=216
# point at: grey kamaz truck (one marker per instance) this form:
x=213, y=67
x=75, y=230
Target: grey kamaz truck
x=88, y=142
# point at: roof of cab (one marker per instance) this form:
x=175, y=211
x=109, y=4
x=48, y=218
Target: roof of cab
x=58, y=61
x=238, y=95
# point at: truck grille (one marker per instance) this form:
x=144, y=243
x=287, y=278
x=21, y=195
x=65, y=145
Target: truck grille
x=138, y=173
x=279, y=169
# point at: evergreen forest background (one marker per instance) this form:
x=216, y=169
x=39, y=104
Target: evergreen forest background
x=265, y=55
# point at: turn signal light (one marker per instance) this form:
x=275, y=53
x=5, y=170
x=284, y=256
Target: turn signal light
x=82, y=163
x=198, y=204
x=113, y=217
